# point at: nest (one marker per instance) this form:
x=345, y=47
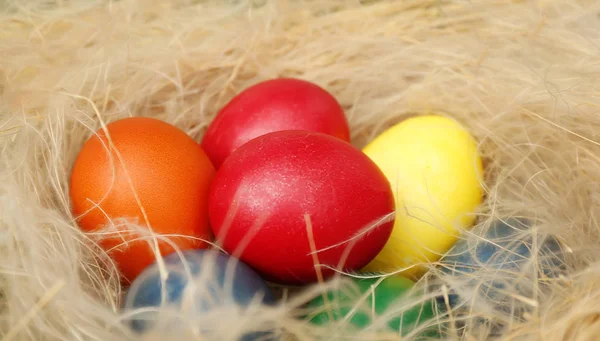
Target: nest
x=522, y=76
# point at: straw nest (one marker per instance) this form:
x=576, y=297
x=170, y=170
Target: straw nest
x=522, y=76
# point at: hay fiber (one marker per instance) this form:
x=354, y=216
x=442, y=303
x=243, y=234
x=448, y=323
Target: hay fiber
x=523, y=77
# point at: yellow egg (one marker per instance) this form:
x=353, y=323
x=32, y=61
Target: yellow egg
x=435, y=171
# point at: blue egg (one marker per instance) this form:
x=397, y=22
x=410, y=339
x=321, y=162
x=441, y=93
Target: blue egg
x=504, y=261
x=196, y=286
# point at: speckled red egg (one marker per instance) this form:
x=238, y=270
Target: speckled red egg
x=269, y=106
x=261, y=193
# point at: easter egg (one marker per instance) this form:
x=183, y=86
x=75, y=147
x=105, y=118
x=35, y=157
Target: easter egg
x=434, y=169
x=193, y=291
x=269, y=106
x=283, y=191
x=151, y=174
x=392, y=301
x=493, y=265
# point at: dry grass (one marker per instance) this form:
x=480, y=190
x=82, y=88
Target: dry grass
x=521, y=75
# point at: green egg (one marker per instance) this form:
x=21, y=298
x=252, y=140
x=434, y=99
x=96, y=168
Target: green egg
x=387, y=299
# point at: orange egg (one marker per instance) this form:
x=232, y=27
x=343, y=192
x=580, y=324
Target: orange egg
x=168, y=172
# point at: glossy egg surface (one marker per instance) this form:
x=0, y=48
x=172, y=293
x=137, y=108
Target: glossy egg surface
x=490, y=266
x=364, y=299
x=434, y=169
x=152, y=174
x=269, y=106
x=193, y=291
x=267, y=190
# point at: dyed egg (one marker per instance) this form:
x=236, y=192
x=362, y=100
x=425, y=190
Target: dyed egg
x=151, y=165
x=194, y=291
x=492, y=266
x=434, y=168
x=269, y=106
x=392, y=302
x=263, y=191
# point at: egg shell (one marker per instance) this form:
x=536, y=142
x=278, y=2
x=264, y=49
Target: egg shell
x=199, y=286
x=364, y=298
x=434, y=169
x=493, y=265
x=151, y=163
x=269, y=106
x=274, y=180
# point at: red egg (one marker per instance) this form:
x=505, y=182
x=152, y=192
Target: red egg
x=261, y=193
x=273, y=105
